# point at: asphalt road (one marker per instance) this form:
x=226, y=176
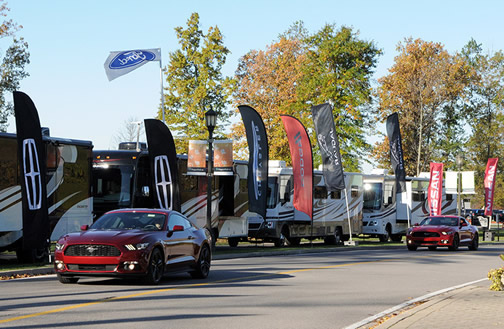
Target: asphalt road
x=326, y=290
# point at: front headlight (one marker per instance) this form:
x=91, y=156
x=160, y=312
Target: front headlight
x=373, y=223
x=447, y=233
x=138, y=246
x=60, y=246
x=142, y=246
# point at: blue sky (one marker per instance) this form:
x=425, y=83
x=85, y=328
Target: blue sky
x=69, y=41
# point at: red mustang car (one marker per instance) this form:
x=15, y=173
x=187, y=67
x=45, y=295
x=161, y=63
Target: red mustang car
x=442, y=231
x=145, y=243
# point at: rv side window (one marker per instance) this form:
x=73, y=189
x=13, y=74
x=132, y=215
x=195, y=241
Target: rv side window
x=272, y=196
x=8, y=163
x=189, y=183
x=388, y=196
x=355, y=191
x=336, y=195
x=449, y=197
x=286, y=186
x=320, y=192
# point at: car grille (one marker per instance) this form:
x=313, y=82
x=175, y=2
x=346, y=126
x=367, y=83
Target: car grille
x=87, y=267
x=426, y=234
x=92, y=250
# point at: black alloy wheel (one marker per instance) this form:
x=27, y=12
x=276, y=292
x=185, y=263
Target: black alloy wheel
x=474, y=243
x=412, y=248
x=156, y=267
x=455, y=243
x=203, y=266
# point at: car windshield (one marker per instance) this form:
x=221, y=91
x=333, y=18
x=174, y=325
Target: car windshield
x=146, y=221
x=440, y=221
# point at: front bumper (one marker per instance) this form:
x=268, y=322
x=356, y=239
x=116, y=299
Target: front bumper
x=441, y=241
x=129, y=263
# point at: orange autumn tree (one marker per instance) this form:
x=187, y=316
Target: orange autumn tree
x=267, y=81
x=425, y=86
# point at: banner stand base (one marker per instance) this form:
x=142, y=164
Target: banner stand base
x=351, y=243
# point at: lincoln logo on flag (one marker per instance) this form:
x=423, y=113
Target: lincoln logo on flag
x=163, y=181
x=32, y=177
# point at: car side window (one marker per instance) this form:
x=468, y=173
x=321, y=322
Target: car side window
x=176, y=219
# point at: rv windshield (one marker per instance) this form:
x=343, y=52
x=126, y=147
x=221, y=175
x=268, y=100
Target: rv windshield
x=112, y=186
x=373, y=194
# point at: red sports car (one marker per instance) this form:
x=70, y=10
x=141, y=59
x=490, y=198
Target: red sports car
x=145, y=243
x=442, y=231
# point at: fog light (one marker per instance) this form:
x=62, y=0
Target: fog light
x=59, y=265
x=130, y=265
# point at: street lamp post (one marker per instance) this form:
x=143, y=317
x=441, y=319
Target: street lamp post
x=458, y=161
x=210, y=122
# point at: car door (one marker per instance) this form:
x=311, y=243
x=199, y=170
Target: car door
x=179, y=241
x=464, y=231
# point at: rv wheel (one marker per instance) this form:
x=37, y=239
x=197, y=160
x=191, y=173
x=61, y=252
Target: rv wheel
x=385, y=237
x=233, y=242
x=280, y=242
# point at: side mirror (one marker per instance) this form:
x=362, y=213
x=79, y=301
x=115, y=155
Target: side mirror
x=416, y=224
x=176, y=228
x=84, y=227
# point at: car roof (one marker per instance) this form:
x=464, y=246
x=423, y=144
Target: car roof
x=160, y=211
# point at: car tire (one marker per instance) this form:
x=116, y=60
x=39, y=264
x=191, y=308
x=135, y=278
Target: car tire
x=203, y=265
x=233, y=242
x=455, y=243
x=412, y=248
x=474, y=243
x=155, y=268
x=67, y=279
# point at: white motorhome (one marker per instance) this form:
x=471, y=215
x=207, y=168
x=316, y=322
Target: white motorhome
x=387, y=214
x=331, y=219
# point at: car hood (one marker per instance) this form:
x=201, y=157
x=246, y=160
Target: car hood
x=105, y=236
x=433, y=228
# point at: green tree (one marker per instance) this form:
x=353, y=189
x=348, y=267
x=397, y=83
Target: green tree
x=425, y=86
x=338, y=70
x=300, y=70
x=12, y=67
x=485, y=117
x=195, y=83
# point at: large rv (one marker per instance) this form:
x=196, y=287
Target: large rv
x=388, y=214
x=68, y=180
x=122, y=179
x=285, y=224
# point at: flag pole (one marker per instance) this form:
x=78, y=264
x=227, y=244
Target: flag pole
x=162, y=89
x=348, y=214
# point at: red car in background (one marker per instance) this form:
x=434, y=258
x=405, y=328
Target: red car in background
x=442, y=231
x=143, y=243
